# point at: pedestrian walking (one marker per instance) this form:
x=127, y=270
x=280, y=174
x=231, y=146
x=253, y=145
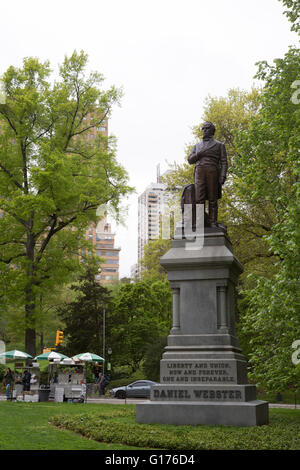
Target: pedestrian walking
x=104, y=382
x=98, y=382
x=7, y=381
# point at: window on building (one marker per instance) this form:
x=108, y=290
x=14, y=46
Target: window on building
x=110, y=253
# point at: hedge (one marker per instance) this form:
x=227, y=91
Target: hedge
x=120, y=427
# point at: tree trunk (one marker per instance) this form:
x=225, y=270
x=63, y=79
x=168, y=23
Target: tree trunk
x=30, y=338
x=30, y=300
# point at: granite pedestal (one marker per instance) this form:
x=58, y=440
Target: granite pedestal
x=203, y=373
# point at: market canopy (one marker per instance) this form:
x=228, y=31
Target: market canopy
x=88, y=357
x=15, y=354
x=68, y=360
x=49, y=356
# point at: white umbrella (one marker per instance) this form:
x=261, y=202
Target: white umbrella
x=15, y=354
x=88, y=357
x=49, y=356
x=68, y=360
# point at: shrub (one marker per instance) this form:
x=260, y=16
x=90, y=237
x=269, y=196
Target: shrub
x=119, y=426
x=2, y=372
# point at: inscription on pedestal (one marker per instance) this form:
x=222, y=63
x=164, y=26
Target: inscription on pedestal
x=197, y=394
x=203, y=393
x=198, y=372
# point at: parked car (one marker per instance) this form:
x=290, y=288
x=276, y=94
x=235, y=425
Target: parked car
x=138, y=389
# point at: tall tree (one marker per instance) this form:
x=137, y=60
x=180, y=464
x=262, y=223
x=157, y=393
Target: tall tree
x=266, y=174
x=141, y=313
x=83, y=319
x=52, y=179
x=150, y=263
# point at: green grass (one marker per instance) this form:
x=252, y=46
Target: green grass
x=25, y=426
x=63, y=426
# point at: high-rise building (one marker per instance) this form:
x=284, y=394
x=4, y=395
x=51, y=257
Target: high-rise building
x=152, y=203
x=101, y=236
x=103, y=241
x=105, y=247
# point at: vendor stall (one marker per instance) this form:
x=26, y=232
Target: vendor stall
x=67, y=381
x=19, y=369
x=27, y=382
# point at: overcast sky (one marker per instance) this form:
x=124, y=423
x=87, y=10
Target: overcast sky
x=168, y=55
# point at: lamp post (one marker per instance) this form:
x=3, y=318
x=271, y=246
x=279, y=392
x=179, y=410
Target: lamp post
x=103, y=339
x=109, y=352
x=103, y=329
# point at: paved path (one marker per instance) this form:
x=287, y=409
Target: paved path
x=134, y=401
x=116, y=401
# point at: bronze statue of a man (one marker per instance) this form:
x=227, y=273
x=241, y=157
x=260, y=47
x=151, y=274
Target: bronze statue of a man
x=210, y=158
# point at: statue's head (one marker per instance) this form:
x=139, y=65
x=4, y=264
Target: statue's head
x=208, y=129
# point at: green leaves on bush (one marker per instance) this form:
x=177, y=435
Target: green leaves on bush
x=119, y=426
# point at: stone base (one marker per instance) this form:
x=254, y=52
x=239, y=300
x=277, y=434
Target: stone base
x=252, y=413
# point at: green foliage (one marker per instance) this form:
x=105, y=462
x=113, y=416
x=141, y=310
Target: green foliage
x=44, y=377
x=247, y=222
x=293, y=13
x=229, y=114
x=120, y=426
x=2, y=372
x=123, y=376
x=266, y=173
x=260, y=206
x=83, y=318
x=153, y=355
x=141, y=311
x=153, y=251
x=52, y=178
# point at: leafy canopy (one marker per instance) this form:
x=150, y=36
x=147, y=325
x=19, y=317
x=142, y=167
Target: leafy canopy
x=55, y=171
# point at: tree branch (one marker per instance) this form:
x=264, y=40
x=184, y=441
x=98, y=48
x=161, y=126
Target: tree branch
x=9, y=260
x=10, y=176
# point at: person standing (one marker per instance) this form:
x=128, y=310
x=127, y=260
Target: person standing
x=8, y=380
x=26, y=380
x=98, y=382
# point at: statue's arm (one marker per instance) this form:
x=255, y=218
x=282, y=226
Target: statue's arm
x=224, y=164
x=193, y=157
